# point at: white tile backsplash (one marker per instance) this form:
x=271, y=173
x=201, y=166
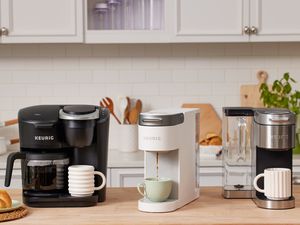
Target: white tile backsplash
x=162, y=75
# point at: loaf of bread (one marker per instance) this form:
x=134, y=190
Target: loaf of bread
x=5, y=200
x=211, y=139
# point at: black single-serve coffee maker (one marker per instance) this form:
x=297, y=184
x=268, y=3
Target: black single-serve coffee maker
x=53, y=137
x=273, y=143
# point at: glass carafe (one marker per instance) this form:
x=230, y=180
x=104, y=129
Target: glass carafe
x=237, y=128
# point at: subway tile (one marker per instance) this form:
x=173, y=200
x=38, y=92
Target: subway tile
x=105, y=50
x=278, y=62
x=24, y=101
x=145, y=89
x=159, y=76
x=146, y=63
x=6, y=103
x=227, y=62
x=65, y=63
x=41, y=63
x=105, y=76
x=199, y=62
x=198, y=89
x=5, y=50
x=52, y=77
x=132, y=50
x=5, y=76
x=25, y=77
x=232, y=100
x=12, y=63
x=53, y=100
x=129, y=76
x=225, y=89
x=83, y=76
x=113, y=63
x=289, y=49
x=25, y=50
x=91, y=100
x=8, y=114
x=265, y=49
x=211, y=75
x=34, y=90
x=116, y=90
x=64, y=90
x=238, y=49
x=185, y=75
x=92, y=90
x=78, y=50
x=52, y=50
x=87, y=63
x=156, y=102
x=158, y=50
x=215, y=49
x=8, y=90
x=238, y=75
x=172, y=63
x=171, y=89
x=248, y=62
x=185, y=50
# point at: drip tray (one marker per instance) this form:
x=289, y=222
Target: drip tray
x=63, y=200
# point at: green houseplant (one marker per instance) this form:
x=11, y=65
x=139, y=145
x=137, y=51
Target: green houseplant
x=282, y=95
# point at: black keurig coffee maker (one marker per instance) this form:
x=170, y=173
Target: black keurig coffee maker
x=53, y=137
x=273, y=143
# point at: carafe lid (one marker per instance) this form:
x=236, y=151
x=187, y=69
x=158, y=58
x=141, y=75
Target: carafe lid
x=274, y=116
x=79, y=112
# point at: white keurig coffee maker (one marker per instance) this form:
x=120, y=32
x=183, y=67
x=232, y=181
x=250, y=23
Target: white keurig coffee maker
x=169, y=140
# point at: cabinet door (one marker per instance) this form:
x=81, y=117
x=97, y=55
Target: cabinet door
x=126, y=177
x=39, y=21
x=275, y=20
x=140, y=21
x=211, y=20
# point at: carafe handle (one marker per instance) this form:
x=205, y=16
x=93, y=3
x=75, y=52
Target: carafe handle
x=10, y=164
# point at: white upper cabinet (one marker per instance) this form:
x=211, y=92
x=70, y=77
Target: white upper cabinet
x=128, y=21
x=40, y=21
x=211, y=20
x=275, y=20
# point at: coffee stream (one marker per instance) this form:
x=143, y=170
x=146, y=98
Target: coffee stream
x=157, y=165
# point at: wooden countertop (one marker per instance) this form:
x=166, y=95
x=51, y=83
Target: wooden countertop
x=121, y=208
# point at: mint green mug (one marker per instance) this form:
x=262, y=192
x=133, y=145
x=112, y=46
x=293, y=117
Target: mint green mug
x=156, y=189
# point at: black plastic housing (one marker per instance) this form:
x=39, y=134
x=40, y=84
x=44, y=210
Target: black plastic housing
x=41, y=131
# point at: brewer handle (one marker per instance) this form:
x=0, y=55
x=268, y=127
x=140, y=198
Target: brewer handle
x=10, y=164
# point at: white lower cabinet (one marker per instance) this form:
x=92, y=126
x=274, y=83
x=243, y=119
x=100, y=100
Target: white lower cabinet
x=126, y=177
x=210, y=176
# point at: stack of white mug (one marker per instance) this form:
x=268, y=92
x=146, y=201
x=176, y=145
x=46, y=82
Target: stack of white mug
x=81, y=180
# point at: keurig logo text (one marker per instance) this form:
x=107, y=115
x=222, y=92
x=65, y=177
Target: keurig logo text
x=43, y=138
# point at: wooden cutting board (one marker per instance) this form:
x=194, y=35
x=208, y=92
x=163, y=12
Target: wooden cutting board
x=250, y=95
x=210, y=122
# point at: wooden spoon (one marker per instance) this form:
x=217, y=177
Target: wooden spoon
x=123, y=106
x=128, y=109
x=135, y=112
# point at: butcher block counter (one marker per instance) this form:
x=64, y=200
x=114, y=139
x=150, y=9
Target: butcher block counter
x=121, y=208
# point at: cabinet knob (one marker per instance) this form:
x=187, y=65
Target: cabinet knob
x=4, y=31
x=253, y=30
x=247, y=30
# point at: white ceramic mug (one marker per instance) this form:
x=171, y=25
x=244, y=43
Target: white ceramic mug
x=81, y=180
x=277, y=183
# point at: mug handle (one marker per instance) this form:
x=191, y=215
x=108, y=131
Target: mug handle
x=255, y=183
x=103, y=180
x=139, y=189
